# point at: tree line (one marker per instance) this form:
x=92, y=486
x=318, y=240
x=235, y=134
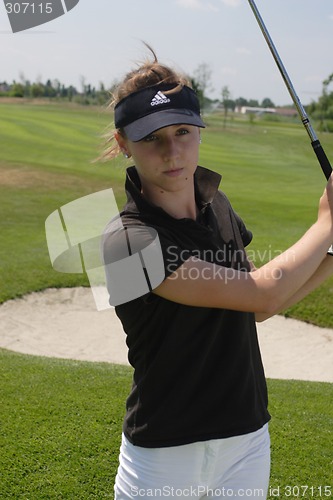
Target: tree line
x=89, y=94
x=54, y=89
x=321, y=110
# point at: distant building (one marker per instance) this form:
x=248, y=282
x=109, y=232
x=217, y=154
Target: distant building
x=291, y=112
x=4, y=87
x=245, y=110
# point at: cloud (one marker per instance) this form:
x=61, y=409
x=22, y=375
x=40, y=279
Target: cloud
x=243, y=50
x=313, y=78
x=231, y=3
x=197, y=5
x=203, y=5
x=227, y=70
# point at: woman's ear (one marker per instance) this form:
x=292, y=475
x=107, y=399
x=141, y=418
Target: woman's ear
x=122, y=144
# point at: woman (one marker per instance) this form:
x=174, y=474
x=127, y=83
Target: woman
x=197, y=421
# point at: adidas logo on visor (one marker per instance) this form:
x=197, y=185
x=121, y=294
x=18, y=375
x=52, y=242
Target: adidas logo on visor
x=159, y=98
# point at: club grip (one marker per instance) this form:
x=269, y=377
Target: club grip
x=322, y=158
x=326, y=168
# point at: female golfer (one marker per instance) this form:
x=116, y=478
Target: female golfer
x=196, y=423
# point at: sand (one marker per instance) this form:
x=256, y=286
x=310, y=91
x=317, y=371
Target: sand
x=64, y=323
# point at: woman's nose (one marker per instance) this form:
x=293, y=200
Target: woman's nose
x=170, y=149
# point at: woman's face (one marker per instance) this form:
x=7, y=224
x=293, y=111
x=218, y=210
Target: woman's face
x=167, y=159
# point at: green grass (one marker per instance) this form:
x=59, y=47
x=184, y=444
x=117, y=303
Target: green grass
x=61, y=427
x=46, y=161
x=270, y=174
x=61, y=420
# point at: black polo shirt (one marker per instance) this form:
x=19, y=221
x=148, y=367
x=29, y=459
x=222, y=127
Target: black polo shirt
x=198, y=373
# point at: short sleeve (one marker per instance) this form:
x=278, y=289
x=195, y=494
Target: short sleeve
x=246, y=235
x=133, y=261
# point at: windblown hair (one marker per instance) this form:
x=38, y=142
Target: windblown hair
x=149, y=73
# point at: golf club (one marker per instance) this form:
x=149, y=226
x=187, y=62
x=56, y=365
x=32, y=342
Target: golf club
x=317, y=147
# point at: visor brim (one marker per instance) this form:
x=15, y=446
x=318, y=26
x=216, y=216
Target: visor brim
x=141, y=128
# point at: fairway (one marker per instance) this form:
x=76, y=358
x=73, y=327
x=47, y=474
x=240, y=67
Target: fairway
x=270, y=175
x=62, y=420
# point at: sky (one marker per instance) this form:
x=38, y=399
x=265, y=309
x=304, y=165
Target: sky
x=100, y=40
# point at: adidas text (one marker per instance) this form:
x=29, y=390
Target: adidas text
x=159, y=98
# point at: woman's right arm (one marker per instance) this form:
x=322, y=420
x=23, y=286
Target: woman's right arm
x=265, y=290
x=322, y=273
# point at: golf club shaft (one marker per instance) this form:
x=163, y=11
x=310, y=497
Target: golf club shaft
x=317, y=147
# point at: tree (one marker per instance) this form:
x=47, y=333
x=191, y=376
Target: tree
x=71, y=92
x=83, y=84
x=57, y=87
x=327, y=81
x=267, y=103
x=226, y=102
x=201, y=82
x=253, y=103
x=326, y=99
x=26, y=84
x=49, y=90
x=102, y=94
x=323, y=109
x=17, y=90
x=37, y=90
x=63, y=91
x=240, y=102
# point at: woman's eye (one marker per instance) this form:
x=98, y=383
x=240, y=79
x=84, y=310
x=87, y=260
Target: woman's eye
x=150, y=138
x=182, y=131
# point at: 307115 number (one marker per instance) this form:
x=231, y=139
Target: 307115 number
x=28, y=8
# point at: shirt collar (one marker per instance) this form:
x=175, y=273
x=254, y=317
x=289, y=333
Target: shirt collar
x=206, y=186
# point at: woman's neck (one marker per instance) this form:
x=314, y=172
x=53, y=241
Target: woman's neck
x=178, y=204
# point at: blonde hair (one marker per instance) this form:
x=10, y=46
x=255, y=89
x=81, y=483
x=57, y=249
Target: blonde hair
x=149, y=73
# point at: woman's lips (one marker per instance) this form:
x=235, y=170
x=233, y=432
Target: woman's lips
x=173, y=172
